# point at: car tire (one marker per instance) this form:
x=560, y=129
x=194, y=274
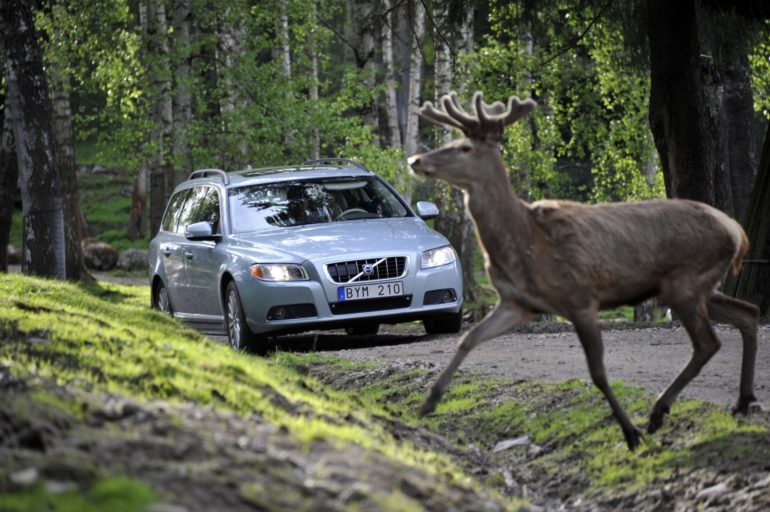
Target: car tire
x=450, y=323
x=238, y=333
x=161, y=301
x=367, y=329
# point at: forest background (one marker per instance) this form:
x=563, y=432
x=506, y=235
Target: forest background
x=637, y=99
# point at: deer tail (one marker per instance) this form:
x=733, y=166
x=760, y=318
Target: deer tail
x=742, y=250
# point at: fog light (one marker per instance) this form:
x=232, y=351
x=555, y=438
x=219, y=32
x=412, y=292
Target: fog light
x=280, y=313
x=448, y=296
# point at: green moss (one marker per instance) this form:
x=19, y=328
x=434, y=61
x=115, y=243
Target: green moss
x=116, y=494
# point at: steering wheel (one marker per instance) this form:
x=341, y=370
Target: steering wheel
x=351, y=210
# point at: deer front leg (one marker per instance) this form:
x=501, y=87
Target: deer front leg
x=705, y=344
x=591, y=338
x=745, y=317
x=498, y=321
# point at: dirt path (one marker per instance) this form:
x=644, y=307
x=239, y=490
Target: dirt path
x=649, y=357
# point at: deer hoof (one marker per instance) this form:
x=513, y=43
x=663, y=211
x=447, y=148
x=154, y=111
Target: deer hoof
x=656, y=420
x=633, y=438
x=742, y=407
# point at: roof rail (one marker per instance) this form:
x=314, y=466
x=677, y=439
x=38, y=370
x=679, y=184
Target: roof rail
x=204, y=173
x=327, y=161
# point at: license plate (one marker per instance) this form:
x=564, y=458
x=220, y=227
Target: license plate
x=370, y=291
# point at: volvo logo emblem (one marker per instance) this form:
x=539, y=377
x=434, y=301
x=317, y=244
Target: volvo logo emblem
x=368, y=269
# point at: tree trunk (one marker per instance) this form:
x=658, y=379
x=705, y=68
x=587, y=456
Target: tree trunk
x=412, y=137
x=65, y=159
x=182, y=104
x=315, y=143
x=161, y=168
x=700, y=102
x=753, y=282
x=364, y=25
x=391, y=103
x=9, y=180
x=29, y=106
x=137, y=219
x=453, y=220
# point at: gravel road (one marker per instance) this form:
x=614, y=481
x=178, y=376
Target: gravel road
x=647, y=357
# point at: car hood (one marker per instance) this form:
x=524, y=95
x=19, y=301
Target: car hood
x=341, y=238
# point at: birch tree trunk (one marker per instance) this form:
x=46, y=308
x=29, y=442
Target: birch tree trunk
x=315, y=145
x=364, y=26
x=29, y=107
x=453, y=220
x=75, y=227
x=161, y=168
x=411, y=138
x=182, y=104
x=391, y=102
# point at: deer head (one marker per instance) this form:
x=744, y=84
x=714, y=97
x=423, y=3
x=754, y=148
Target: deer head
x=461, y=161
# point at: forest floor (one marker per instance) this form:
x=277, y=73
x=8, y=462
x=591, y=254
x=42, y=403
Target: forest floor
x=107, y=406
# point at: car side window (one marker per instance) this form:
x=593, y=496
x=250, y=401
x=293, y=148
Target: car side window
x=202, y=205
x=171, y=217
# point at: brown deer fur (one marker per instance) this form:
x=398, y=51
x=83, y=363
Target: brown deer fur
x=573, y=259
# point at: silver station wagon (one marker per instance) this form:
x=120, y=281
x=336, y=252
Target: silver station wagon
x=325, y=245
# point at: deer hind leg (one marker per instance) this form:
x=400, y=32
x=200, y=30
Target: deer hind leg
x=745, y=317
x=498, y=321
x=591, y=338
x=705, y=344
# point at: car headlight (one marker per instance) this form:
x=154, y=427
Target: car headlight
x=278, y=272
x=437, y=257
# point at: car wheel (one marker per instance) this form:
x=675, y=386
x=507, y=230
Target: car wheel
x=162, y=301
x=238, y=332
x=367, y=329
x=444, y=324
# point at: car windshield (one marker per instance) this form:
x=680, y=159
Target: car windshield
x=298, y=203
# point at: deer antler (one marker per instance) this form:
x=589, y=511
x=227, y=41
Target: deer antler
x=485, y=122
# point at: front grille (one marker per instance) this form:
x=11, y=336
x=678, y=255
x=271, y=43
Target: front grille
x=361, y=306
x=387, y=268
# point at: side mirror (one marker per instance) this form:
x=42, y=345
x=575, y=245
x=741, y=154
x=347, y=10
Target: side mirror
x=201, y=231
x=426, y=210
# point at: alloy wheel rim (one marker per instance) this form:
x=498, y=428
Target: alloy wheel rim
x=233, y=320
x=163, y=302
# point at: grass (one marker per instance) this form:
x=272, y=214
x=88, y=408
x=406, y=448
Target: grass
x=73, y=334
x=116, y=494
x=583, y=447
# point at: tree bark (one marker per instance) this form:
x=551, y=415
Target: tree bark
x=391, y=102
x=411, y=138
x=182, y=103
x=76, y=226
x=453, y=220
x=9, y=180
x=29, y=106
x=156, y=50
x=700, y=102
x=753, y=282
x=364, y=25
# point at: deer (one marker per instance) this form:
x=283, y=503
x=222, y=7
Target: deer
x=573, y=259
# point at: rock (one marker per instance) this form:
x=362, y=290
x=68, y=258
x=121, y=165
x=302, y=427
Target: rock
x=25, y=477
x=14, y=256
x=713, y=492
x=133, y=259
x=510, y=443
x=98, y=255
x=98, y=169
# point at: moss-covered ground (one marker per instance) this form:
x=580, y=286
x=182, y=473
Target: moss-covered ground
x=105, y=401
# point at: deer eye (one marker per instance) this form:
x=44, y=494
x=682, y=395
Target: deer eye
x=466, y=148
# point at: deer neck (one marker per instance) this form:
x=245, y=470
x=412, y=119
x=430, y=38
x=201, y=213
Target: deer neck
x=501, y=218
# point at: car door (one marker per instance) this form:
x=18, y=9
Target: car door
x=170, y=249
x=203, y=260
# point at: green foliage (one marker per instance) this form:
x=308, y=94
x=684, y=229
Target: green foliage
x=759, y=59
x=589, y=138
